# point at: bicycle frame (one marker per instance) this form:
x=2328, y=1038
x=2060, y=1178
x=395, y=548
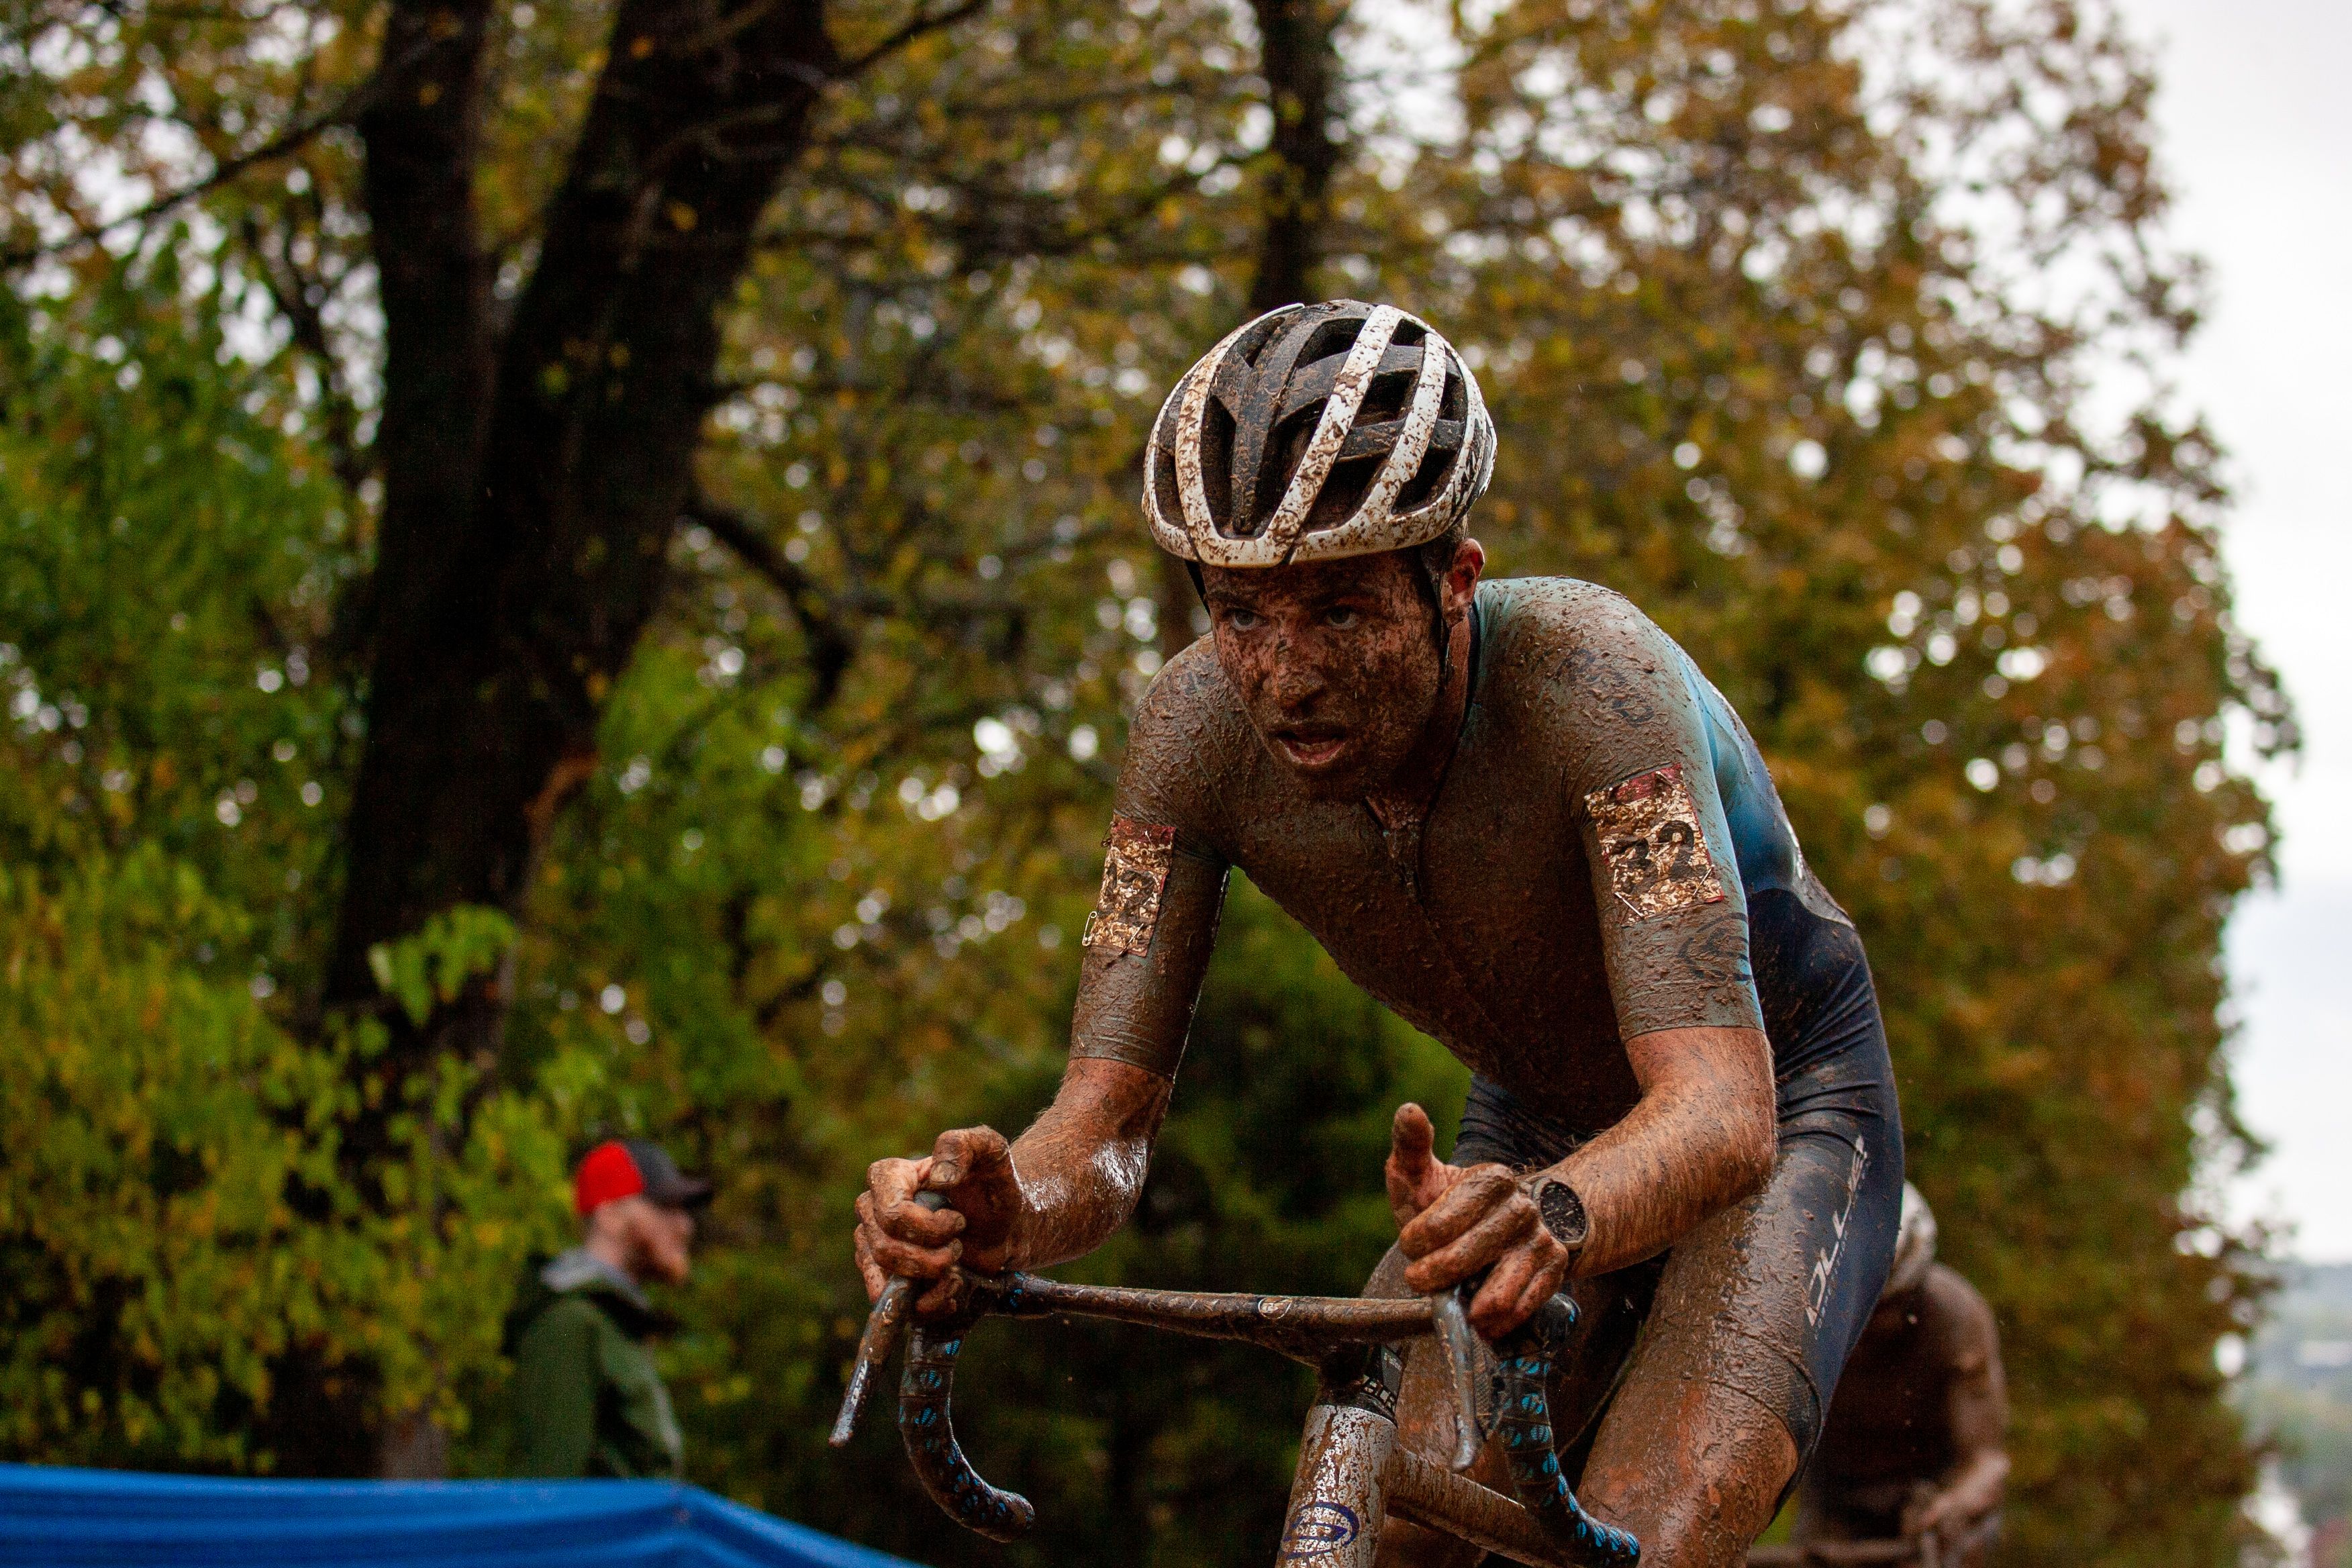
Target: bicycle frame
x=1352, y=1475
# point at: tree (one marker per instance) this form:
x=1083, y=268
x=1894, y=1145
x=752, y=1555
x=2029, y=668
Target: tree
x=1760, y=317
x=534, y=438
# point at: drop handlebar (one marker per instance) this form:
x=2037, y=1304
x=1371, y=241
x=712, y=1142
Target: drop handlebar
x=1304, y=1328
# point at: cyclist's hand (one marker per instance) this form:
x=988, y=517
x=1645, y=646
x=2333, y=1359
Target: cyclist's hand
x=1454, y=1221
x=972, y=1168
x=1417, y=1177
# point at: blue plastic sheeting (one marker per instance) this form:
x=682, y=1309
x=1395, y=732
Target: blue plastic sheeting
x=119, y=1517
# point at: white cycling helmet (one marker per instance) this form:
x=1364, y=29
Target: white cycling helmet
x=1914, y=1243
x=1315, y=432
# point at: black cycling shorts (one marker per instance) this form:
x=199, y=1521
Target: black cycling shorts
x=1815, y=1246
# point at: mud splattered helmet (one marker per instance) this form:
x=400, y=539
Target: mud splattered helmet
x=1315, y=432
x=1914, y=1243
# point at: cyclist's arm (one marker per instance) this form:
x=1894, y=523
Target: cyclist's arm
x=1666, y=882
x=1074, y=1177
x=1976, y=1405
x=1700, y=1138
x=1081, y=1164
x=1608, y=695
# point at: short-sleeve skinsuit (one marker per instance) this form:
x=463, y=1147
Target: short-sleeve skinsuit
x=1605, y=856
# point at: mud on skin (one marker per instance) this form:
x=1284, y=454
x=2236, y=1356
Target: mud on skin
x=1337, y=668
x=1440, y=849
x=1474, y=904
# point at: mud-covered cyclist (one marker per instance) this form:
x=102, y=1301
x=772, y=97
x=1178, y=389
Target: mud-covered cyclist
x=1517, y=814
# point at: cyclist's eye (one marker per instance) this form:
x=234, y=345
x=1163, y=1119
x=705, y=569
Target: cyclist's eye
x=1241, y=620
x=1342, y=617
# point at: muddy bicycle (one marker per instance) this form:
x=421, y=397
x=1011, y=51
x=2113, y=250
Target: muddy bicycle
x=1353, y=1474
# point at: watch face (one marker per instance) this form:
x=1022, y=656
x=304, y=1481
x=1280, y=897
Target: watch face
x=1562, y=1211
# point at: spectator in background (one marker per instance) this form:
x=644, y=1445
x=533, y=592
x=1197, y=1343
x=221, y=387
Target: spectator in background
x=1914, y=1445
x=587, y=1399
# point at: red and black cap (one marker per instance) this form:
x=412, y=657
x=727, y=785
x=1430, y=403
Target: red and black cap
x=625, y=1167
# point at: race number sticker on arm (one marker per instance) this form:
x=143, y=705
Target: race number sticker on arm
x=1650, y=840
x=1135, y=874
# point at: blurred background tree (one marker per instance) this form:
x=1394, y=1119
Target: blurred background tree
x=619, y=519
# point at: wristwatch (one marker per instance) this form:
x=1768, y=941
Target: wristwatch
x=1562, y=1213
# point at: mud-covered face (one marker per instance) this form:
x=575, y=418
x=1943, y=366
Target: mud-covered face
x=1335, y=662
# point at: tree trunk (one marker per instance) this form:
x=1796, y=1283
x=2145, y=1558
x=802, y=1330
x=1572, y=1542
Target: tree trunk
x=532, y=484
x=1300, y=63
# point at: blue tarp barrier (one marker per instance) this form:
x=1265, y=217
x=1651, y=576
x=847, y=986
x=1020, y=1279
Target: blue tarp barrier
x=75, y=1517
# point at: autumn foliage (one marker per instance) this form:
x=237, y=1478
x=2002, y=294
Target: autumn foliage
x=1834, y=335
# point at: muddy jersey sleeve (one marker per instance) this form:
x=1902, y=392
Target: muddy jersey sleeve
x=1641, y=785
x=1146, y=946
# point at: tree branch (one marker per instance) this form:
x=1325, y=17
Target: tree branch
x=300, y=298
x=831, y=645
x=914, y=30
x=284, y=144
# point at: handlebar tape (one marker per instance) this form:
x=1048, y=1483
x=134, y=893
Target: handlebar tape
x=1523, y=1417
x=940, y=1464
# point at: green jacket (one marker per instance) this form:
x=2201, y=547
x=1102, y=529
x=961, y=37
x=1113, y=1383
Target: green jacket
x=587, y=1400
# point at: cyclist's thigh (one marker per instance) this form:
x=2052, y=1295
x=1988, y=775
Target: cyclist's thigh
x=1695, y=1450
x=1752, y=1320
x=1611, y=1309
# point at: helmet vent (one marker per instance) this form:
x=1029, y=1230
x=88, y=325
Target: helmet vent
x=1336, y=337
x=1216, y=461
x=1167, y=493
x=1435, y=464
x=1342, y=493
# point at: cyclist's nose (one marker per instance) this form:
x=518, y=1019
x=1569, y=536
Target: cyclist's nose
x=1298, y=676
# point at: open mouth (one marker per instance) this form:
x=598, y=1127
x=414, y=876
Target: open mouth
x=1311, y=745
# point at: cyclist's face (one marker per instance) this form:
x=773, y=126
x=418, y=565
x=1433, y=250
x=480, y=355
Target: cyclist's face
x=1335, y=661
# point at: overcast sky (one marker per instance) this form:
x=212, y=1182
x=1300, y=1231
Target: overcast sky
x=2257, y=134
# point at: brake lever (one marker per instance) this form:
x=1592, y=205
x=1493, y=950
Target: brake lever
x=883, y=1326
x=1447, y=1313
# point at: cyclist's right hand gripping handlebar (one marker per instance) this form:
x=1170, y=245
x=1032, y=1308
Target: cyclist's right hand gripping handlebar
x=1523, y=1416
x=925, y=1389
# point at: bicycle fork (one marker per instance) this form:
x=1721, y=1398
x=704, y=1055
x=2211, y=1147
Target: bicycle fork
x=1337, y=1501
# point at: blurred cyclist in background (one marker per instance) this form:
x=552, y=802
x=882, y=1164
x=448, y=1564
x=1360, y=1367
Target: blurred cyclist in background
x=1913, y=1445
